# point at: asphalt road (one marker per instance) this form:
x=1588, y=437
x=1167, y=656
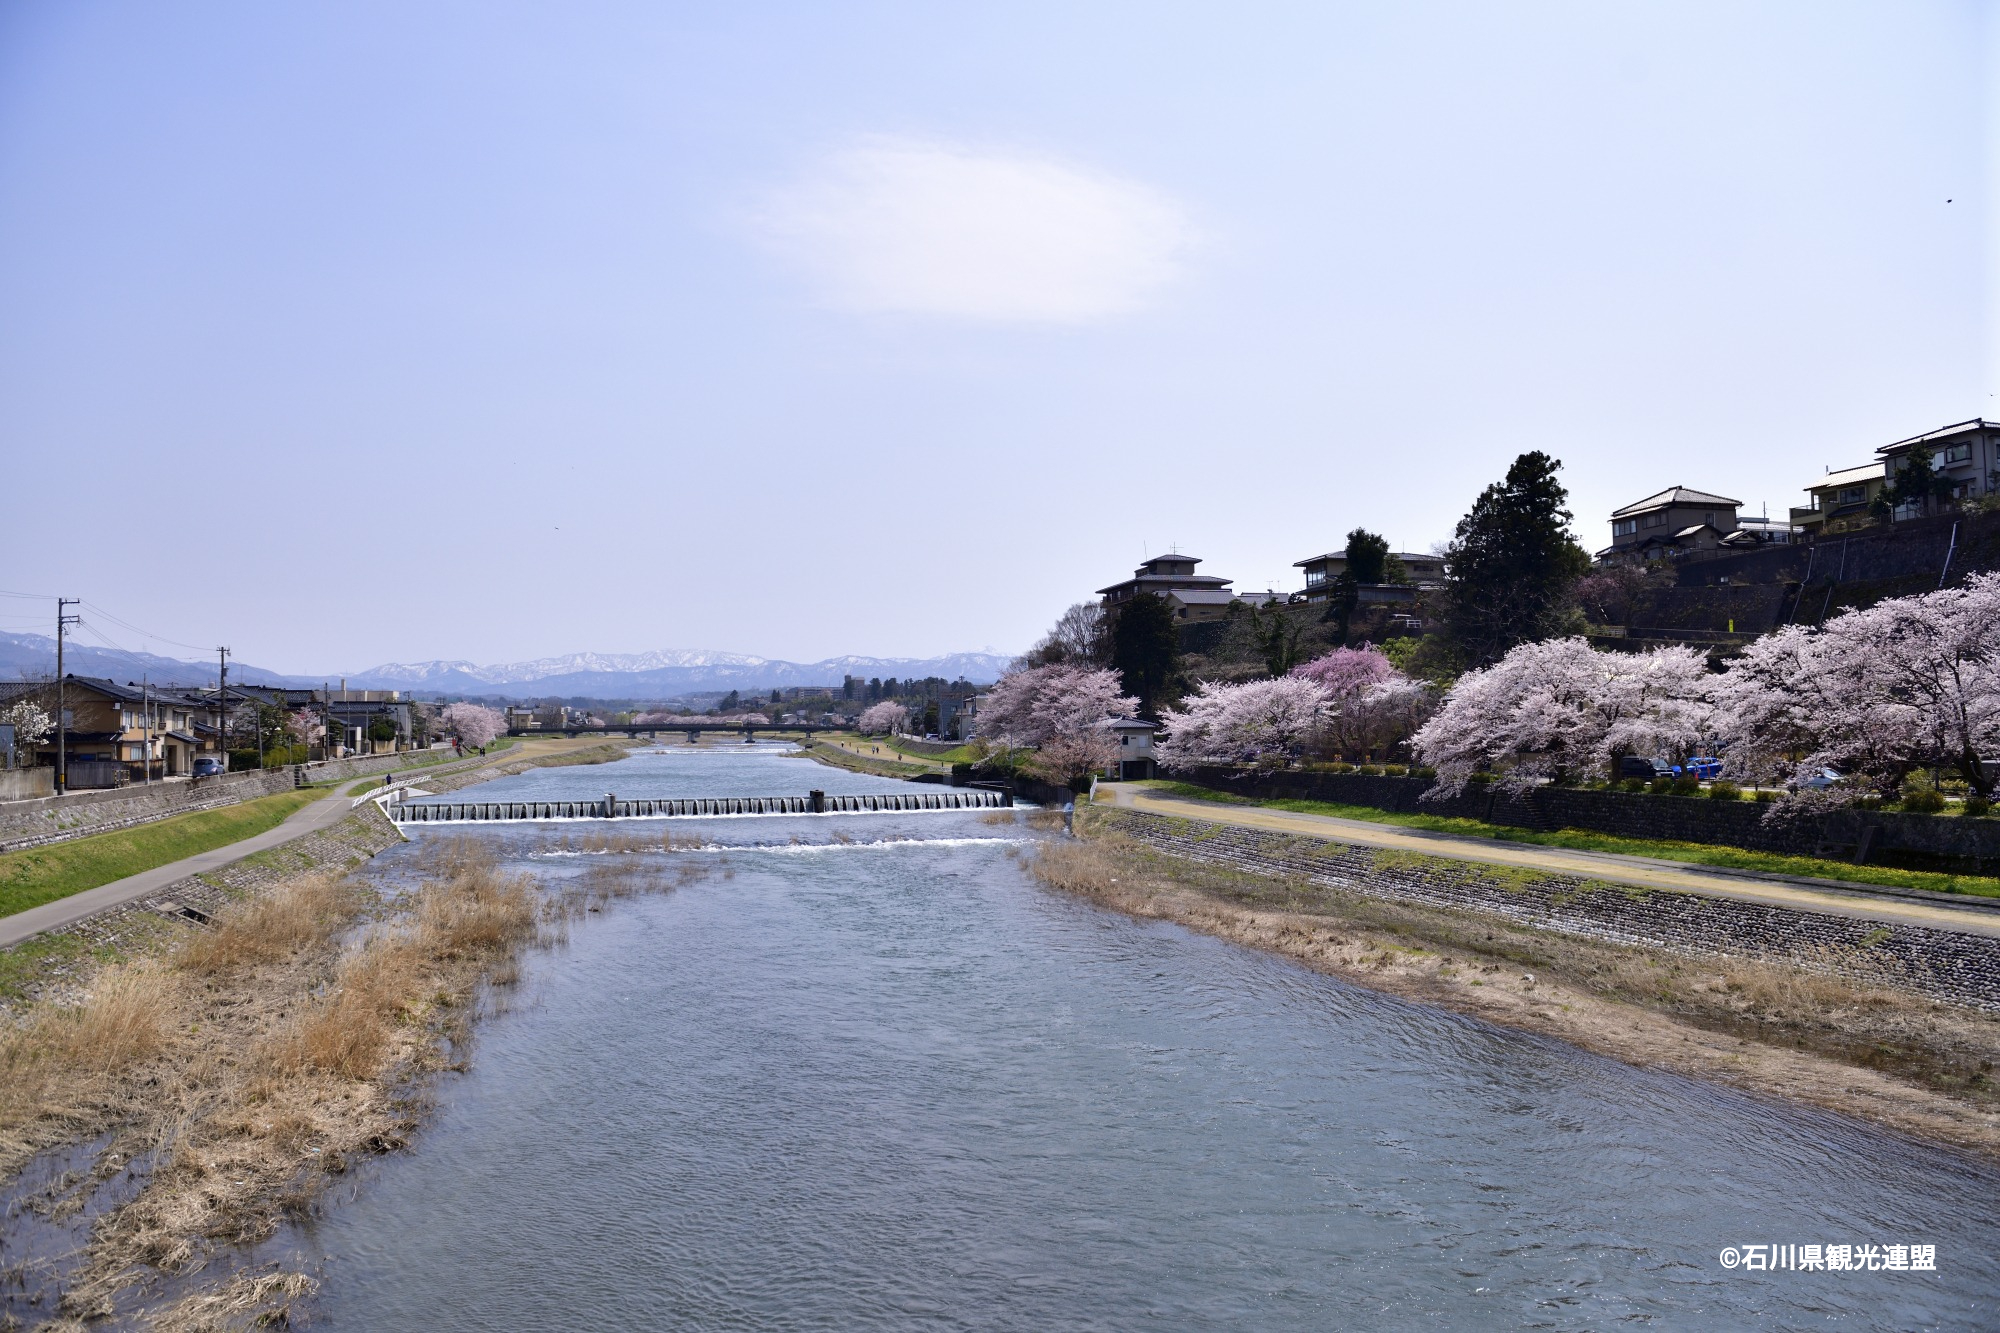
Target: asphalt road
x=1977, y=917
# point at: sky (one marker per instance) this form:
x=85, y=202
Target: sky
x=350, y=333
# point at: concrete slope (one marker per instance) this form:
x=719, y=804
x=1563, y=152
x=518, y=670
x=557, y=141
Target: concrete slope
x=1935, y=911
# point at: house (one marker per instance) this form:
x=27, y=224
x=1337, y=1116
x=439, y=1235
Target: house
x=1191, y=596
x=1425, y=571
x=1135, y=748
x=1840, y=501
x=1967, y=454
x=1760, y=531
x=117, y=733
x=1670, y=523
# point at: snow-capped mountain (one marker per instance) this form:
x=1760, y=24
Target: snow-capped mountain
x=514, y=673
x=662, y=674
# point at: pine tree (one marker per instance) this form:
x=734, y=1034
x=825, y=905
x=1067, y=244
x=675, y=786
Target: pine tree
x=1512, y=567
x=1145, y=650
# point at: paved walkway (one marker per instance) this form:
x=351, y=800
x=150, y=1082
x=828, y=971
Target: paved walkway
x=1977, y=917
x=321, y=814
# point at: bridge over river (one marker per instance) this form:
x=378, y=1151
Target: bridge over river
x=693, y=807
x=693, y=730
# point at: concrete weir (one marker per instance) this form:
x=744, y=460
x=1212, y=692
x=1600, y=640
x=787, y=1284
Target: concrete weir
x=692, y=807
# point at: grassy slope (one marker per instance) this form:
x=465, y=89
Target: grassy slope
x=43, y=874
x=1694, y=853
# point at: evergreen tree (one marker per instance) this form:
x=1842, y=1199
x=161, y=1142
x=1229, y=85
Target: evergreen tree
x=1512, y=567
x=1367, y=562
x=1146, y=650
x=1918, y=484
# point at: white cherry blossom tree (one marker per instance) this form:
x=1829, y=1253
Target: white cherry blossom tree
x=884, y=718
x=1036, y=705
x=1560, y=708
x=473, y=724
x=1913, y=682
x=1262, y=721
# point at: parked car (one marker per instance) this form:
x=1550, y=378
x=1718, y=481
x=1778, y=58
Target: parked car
x=209, y=765
x=1638, y=766
x=1705, y=767
x=1826, y=777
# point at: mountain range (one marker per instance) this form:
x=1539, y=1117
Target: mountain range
x=662, y=674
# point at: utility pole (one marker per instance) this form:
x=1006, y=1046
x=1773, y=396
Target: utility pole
x=146, y=720
x=222, y=707
x=63, y=621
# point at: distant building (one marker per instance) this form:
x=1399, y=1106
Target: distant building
x=1135, y=748
x=1192, y=597
x=117, y=733
x=1968, y=454
x=1840, y=501
x=1675, y=521
x=1425, y=571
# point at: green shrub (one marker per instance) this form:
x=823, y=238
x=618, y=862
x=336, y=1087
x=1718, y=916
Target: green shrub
x=1923, y=800
x=1633, y=785
x=1371, y=770
x=1687, y=784
x=1423, y=772
x=1343, y=767
x=1660, y=786
x=1765, y=796
x=1976, y=804
x=1395, y=770
x=1724, y=791
x=1482, y=779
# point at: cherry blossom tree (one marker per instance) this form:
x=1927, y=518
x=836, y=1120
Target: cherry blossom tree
x=1265, y=721
x=884, y=718
x=473, y=724
x=1559, y=708
x=1908, y=683
x=1033, y=706
x=1381, y=716
x=1347, y=671
x=31, y=727
x=305, y=726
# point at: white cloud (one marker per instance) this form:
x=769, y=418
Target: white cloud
x=919, y=227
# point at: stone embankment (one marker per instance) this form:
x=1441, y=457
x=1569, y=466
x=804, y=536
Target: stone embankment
x=58, y=818
x=1942, y=964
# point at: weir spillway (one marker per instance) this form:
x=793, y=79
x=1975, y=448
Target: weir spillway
x=692, y=807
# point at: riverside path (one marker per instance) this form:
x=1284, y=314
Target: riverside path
x=321, y=814
x=1974, y=916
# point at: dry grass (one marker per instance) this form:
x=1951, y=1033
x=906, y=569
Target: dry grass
x=1796, y=1030
x=303, y=915
x=246, y=1300
x=258, y=1061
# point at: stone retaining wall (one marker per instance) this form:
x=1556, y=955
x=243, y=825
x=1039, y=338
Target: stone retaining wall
x=78, y=814
x=1943, y=964
x=1950, y=842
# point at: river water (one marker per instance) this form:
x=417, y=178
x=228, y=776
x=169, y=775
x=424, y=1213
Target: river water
x=895, y=1083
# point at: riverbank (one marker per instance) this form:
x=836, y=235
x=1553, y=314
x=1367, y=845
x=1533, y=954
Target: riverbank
x=858, y=756
x=1915, y=1065
x=203, y=1093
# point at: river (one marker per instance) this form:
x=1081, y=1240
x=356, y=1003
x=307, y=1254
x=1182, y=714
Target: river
x=896, y=1083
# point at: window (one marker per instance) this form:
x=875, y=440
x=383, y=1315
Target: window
x=1624, y=527
x=1957, y=453
x=1851, y=495
x=1315, y=575
x=1654, y=520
